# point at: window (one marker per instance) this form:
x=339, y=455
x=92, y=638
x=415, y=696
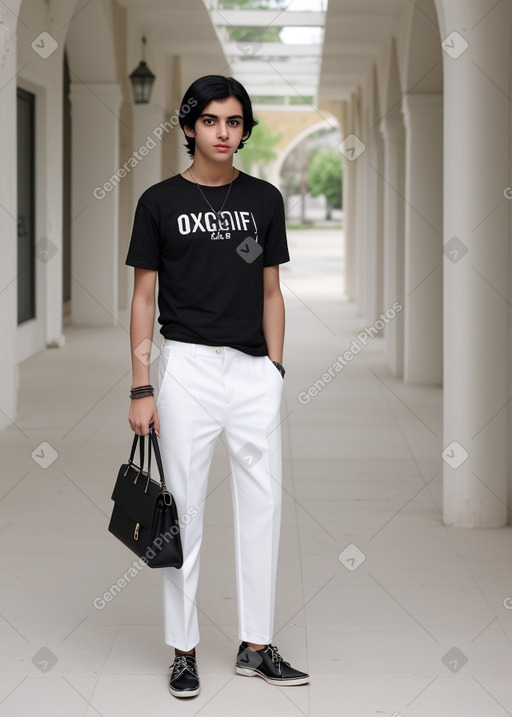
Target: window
x=26, y=207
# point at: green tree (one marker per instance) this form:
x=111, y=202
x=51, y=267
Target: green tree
x=324, y=177
x=254, y=4
x=261, y=34
x=259, y=149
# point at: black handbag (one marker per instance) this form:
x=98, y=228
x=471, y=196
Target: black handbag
x=145, y=517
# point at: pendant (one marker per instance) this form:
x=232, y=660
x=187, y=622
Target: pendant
x=223, y=224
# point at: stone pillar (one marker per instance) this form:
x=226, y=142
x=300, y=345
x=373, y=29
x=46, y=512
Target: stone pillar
x=476, y=281
x=423, y=309
x=94, y=202
x=394, y=164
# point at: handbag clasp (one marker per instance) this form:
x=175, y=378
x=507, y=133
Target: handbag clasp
x=136, y=531
x=167, y=497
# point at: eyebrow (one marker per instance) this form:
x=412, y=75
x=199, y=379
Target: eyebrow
x=207, y=114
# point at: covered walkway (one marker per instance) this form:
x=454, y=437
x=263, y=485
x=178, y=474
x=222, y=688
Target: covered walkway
x=391, y=611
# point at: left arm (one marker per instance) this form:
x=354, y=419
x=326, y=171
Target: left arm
x=273, y=313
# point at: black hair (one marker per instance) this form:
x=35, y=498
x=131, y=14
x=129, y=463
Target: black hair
x=202, y=92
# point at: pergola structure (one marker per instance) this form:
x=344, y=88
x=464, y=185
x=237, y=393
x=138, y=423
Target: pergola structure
x=281, y=72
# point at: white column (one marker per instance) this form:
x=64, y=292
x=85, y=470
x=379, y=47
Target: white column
x=373, y=256
x=379, y=214
x=349, y=225
x=394, y=162
x=150, y=128
x=358, y=199
x=476, y=281
x=379, y=218
x=361, y=209
x=423, y=309
x=8, y=223
x=94, y=202
x=354, y=198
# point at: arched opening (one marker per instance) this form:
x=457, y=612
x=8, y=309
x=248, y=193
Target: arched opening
x=306, y=188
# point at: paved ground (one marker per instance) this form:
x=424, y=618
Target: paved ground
x=378, y=600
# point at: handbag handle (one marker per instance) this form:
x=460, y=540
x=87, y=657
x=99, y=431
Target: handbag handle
x=153, y=440
x=132, y=453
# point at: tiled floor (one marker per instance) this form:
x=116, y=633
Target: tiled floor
x=391, y=612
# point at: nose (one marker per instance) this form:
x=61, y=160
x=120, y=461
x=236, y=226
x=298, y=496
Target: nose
x=222, y=131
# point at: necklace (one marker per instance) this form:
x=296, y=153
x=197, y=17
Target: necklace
x=222, y=224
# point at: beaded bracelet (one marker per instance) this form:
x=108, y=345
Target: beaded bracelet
x=142, y=391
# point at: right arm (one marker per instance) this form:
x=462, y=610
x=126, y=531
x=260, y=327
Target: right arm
x=142, y=410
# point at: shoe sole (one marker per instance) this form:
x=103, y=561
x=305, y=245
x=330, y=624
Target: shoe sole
x=247, y=672
x=184, y=693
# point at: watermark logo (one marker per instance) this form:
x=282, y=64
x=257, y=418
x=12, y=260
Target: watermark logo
x=143, y=352
x=249, y=455
x=352, y=147
x=250, y=44
x=100, y=602
x=44, y=659
x=44, y=455
x=45, y=249
x=454, y=659
x=342, y=360
x=454, y=45
x=249, y=249
x=455, y=249
x=351, y=557
x=143, y=151
x=454, y=455
x=249, y=658
x=45, y=45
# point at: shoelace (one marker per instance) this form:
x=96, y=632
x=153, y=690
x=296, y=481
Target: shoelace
x=181, y=664
x=276, y=657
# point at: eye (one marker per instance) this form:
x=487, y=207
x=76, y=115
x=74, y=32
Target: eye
x=234, y=122
x=208, y=120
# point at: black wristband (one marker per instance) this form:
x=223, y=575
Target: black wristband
x=279, y=367
x=142, y=391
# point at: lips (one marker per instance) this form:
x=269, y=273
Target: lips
x=222, y=146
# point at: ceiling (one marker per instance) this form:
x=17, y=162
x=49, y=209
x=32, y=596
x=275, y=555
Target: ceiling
x=275, y=51
x=356, y=31
x=182, y=28
x=318, y=49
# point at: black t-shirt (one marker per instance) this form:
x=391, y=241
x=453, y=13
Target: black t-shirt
x=210, y=278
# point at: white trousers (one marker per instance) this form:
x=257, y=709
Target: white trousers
x=204, y=392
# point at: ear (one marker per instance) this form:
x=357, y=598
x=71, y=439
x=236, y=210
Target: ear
x=189, y=131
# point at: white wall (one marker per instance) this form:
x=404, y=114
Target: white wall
x=9, y=375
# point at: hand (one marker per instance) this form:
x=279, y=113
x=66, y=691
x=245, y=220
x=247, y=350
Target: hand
x=143, y=412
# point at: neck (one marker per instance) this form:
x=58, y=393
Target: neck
x=205, y=173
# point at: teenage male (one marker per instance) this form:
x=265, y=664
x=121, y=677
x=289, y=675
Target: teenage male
x=215, y=236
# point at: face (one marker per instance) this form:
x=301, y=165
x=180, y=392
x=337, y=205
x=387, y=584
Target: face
x=219, y=130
